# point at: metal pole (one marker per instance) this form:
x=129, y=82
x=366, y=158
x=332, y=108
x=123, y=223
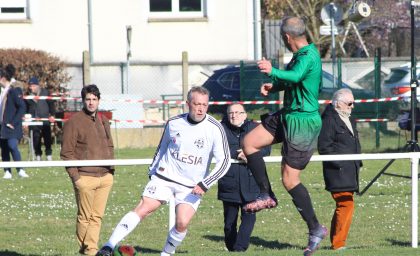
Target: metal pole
x=332, y=22
x=184, y=80
x=127, y=75
x=414, y=201
x=128, y=29
x=339, y=71
x=257, y=30
x=414, y=84
x=116, y=139
x=377, y=90
x=90, y=31
x=122, y=77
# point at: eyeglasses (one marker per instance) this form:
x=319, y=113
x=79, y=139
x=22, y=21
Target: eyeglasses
x=348, y=103
x=235, y=113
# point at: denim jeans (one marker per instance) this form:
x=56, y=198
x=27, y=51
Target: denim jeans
x=10, y=146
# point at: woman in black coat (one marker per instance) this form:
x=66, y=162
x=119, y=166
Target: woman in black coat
x=238, y=186
x=339, y=136
x=12, y=109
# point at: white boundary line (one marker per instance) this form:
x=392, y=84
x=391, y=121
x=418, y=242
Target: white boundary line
x=413, y=156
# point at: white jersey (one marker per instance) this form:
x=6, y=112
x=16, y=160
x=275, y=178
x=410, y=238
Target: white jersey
x=186, y=149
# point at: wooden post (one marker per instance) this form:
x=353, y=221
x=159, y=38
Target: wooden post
x=185, y=78
x=86, y=68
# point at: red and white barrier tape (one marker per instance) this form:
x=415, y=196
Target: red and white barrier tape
x=181, y=102
x=113, y=120
x=372, y=120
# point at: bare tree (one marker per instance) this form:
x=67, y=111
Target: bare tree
x=375, y=30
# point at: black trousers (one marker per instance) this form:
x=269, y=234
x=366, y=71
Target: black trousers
x=39, y=132
x=237, y=239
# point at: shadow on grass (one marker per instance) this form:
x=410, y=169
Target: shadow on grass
x=398, y=243
x=274, y=244
x=10, y=253
x=144, y=250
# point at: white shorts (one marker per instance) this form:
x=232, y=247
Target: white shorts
x=163, y=191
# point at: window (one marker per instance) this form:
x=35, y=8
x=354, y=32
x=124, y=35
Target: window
x=230, y=80
x=176, y=8
x=327, y=81
x=13, y=9
x=396, y=75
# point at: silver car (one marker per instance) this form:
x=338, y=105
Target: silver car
x=397, y=83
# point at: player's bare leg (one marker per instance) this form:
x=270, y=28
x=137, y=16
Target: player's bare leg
x=302, y=200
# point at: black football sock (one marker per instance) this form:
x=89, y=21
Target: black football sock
x=302, y=201
x=257, y=166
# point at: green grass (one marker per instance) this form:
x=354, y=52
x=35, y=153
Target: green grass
x=37, y=215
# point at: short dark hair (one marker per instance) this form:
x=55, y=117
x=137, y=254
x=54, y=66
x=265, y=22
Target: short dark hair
x=92, y=89
x=8, y=72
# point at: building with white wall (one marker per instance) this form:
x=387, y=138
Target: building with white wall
x=209, y=30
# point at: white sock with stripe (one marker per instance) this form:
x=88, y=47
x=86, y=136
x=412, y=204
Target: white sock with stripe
x=174, y=239
x=127, y=224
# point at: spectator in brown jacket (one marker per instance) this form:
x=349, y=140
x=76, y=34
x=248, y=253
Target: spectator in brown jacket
x=87, y=136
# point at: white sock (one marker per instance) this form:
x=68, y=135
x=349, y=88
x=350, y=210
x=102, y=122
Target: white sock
x=126, y=225
x=173, y=240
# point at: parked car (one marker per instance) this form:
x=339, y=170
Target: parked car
x=225, y=85
x=235, y=84
x=397, y=83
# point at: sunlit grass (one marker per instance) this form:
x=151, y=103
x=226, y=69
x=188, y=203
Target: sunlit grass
x=37, y=215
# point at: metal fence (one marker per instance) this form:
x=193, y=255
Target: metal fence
x=158, y=81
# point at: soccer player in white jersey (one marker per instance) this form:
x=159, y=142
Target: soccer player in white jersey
x=180, y=169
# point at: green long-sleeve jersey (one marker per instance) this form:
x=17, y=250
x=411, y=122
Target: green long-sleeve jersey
x=300, y=81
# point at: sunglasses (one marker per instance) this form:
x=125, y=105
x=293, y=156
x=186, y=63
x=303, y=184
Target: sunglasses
x=349, y=103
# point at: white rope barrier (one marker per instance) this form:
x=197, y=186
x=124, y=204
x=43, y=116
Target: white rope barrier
x=413, y=156
x=182, y=102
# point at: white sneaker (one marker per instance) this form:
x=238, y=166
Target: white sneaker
x=23, y=174
x=7, y=175
x=38, y=158
x=49, y=157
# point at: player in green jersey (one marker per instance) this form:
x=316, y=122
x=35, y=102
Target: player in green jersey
x=296, y=125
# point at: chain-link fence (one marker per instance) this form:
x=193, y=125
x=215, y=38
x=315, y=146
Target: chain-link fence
x=143, y=99
x=154, y=81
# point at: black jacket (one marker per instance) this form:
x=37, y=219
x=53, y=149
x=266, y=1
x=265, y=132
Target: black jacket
x=335, y=138
x=13, y=109
x=238, y=185
x=40, y=108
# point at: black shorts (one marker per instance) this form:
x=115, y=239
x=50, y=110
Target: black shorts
x=274, y=124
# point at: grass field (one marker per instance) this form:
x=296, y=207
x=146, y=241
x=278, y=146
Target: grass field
x=37, y=215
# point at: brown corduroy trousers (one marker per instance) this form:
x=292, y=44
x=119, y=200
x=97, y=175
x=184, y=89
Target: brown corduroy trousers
x=341, y=221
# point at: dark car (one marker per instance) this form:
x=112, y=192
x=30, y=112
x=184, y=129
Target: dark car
x=225, y=85
x=234, y=83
